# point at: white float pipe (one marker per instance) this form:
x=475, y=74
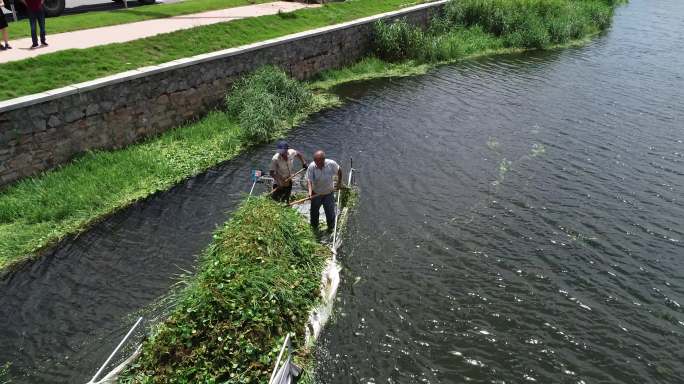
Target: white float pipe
x=130, y=332
x=337, y=214
x=280, y=356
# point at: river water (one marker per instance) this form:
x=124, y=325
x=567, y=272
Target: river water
x=519, y=220
x=521, y=217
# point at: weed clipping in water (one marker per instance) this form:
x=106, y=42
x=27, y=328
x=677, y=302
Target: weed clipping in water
x=257, y=281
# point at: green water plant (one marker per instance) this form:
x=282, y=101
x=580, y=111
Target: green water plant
x=4, y=374
x=532, y=23
x=257, y=281
x=264, y=102
x=467, y=27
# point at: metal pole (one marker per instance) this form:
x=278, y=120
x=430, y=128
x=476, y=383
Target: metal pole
x=130, y=332
x=280, y=356
x=338, y=208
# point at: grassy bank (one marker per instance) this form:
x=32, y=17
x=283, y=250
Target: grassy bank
x=68, y=23
x=40, y=73
x=39, y=211
x=257, y=281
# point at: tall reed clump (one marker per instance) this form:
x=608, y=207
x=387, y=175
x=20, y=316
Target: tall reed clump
x=398, y=41
x=533, y=23
x=266, y=102
x=476, y=26
x=257, y=281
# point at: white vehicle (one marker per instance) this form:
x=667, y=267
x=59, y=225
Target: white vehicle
x=56, y=7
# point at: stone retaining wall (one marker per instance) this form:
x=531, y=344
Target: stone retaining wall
x=41, y=131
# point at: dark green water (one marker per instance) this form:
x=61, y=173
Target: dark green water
x=521, y=217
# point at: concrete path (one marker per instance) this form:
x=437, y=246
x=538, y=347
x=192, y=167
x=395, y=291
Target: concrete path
x=127, y=32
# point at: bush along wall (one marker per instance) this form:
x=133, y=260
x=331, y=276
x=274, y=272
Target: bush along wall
x=257, y=281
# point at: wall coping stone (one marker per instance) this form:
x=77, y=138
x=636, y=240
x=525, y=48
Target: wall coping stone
x=28, y=100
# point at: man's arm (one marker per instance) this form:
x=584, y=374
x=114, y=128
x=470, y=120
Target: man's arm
x=301, y=158
x=309, y=184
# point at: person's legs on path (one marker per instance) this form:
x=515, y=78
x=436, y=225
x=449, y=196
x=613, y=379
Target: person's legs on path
x=329, y=208
x=41, y=23
x=315, y=208
x=5, y=39
x=32, y=18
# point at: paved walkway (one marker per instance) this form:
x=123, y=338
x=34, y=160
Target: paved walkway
x=127, y=32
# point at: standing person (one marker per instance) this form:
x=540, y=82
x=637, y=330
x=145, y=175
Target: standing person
x=320, y=179
x=282, y=171
x=36, y=14
x=3, y=28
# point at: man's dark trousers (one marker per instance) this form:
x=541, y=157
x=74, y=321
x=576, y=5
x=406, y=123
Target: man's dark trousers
x=328, y=202
x=38, y=17
x=282, y=194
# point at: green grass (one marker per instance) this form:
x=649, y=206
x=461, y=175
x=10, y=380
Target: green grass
x=39, y=211
x=257, y=281
x=68, y=23
x=60, y=69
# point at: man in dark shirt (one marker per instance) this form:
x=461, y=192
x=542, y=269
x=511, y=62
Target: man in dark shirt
x=36, y=13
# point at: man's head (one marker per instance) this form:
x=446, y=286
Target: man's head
x=282, y=147
x=319, y=158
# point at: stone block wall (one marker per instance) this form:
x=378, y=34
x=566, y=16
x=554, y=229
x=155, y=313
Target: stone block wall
x=39, y=132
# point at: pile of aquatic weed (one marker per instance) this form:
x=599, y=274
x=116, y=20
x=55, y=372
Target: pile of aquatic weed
x=38, y=211
x=468, y=27
x=266, y=101
x=257, y=281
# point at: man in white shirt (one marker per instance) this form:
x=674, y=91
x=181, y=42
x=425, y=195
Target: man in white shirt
x=282, y=170
x=320, y=179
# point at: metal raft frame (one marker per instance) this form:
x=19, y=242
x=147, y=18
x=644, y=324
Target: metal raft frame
x=111, y=356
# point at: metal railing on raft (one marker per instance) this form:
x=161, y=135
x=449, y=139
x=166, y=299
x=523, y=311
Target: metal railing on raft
x=339, y=210
x=116, y=350
x=287, y=372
